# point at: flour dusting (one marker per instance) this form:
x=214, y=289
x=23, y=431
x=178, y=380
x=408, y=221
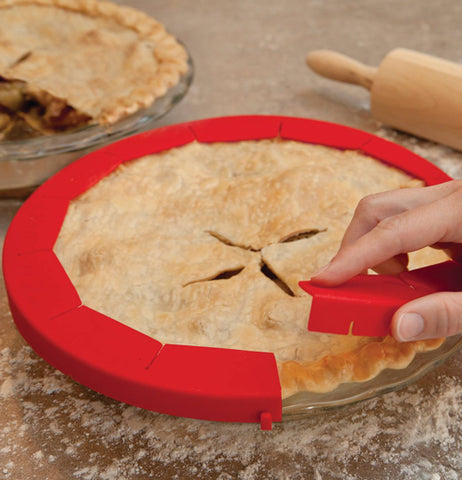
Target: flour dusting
x=386, y=434
x=446, y=158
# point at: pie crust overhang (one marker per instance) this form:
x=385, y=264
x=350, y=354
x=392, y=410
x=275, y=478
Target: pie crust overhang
x=66, y=63
x=205, y=244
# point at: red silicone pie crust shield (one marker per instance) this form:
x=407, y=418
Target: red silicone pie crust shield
x=113, y=359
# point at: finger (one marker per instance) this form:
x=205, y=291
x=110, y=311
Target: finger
x=406, y=232
x=434, y=316
x=374, y=208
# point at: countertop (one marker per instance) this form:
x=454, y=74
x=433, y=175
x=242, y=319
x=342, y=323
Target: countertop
x=250, y=59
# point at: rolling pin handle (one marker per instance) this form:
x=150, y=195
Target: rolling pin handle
x=339, y=67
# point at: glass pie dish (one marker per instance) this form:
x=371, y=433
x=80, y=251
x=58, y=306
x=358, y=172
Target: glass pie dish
x=178, y=378
x=306, y=403
x=25, y=164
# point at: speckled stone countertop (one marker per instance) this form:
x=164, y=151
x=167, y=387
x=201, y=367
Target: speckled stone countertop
x=250, y=58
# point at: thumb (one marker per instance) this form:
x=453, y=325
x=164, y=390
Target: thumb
x=434, y=316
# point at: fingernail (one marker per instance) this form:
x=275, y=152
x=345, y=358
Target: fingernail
x=321, y=270
x=410, y=325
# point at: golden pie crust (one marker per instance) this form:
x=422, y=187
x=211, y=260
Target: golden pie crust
x=100, y=60
x=205, y=245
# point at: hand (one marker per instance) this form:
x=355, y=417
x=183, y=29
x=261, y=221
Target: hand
x=384, y=228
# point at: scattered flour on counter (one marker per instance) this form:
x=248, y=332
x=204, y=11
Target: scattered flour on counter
x=6, y=389
x=412, y=433
x=38, y=455
x=446, y=158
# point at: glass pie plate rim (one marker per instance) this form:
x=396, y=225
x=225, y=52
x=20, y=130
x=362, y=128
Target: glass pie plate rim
x=304, y=404
x=26, y=163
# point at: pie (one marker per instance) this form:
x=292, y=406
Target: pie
x=205, y=244
x=80, y=62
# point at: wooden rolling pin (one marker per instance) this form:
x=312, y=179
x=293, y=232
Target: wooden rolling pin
x=410, y=91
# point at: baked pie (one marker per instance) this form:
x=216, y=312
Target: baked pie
x=205, y=244
x=70, y=63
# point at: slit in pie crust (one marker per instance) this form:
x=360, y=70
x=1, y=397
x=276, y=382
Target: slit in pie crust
x=205, y=244
x=80, y=62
